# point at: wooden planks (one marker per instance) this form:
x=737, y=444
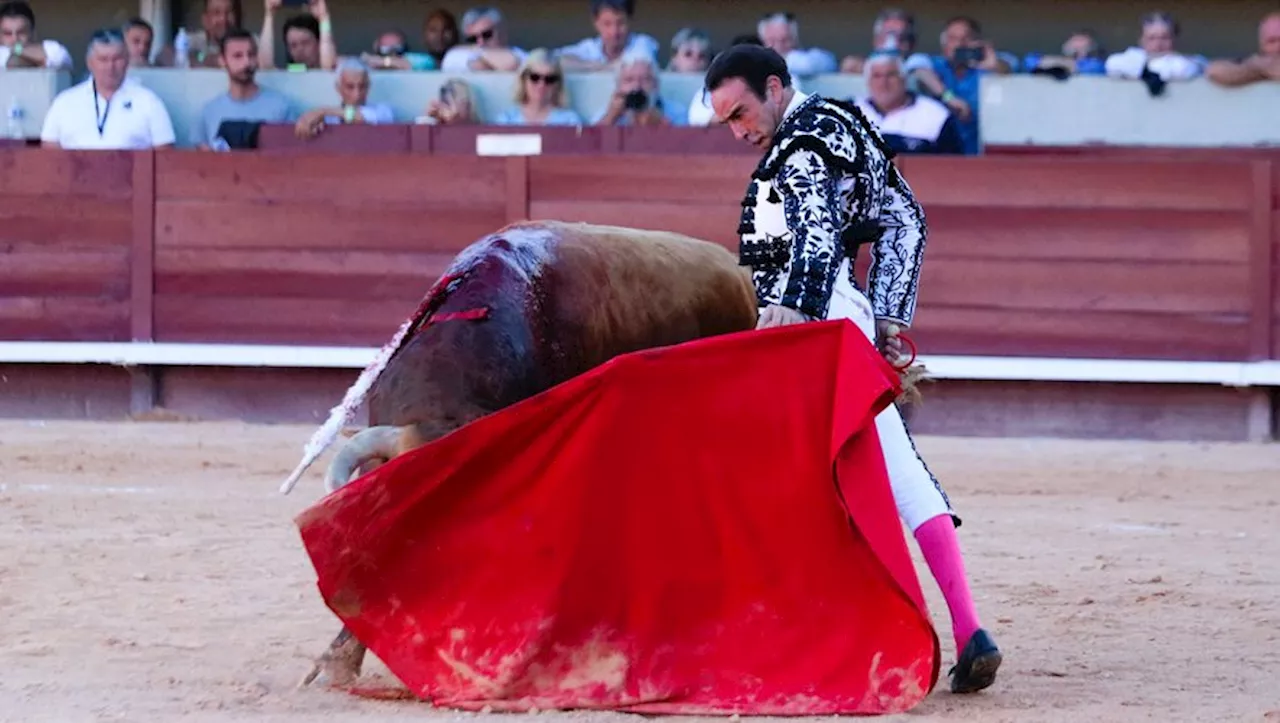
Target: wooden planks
x=363, y=275
x=1272, y=222
x=66, y=229
x=1108, y=257
x=331, y=179
x=358, y=138
x=28, y=172
x=311, y=249
x=708, y=181
x=1086, y=257
x=954, y=329
x=1081, y=183
x=716, y=223
x=1048, y=235
x=265, y=319
x=698, y=196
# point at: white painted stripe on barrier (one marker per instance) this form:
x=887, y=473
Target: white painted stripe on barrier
x=976, y=368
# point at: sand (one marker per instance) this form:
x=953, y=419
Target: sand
x=151, y=572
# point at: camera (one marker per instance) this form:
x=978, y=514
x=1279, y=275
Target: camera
x=636, y=100
x=970, y=55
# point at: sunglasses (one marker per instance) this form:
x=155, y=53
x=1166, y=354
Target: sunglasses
x=548, y=79
x=486, y=35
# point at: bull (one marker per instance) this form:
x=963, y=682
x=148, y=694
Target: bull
x=518, y=312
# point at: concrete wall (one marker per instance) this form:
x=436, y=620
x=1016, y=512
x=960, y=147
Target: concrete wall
x=1016, y=110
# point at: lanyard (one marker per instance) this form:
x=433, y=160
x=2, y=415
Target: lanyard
x=101, y=122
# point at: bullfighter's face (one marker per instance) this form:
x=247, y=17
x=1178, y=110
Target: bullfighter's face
x=751, y=118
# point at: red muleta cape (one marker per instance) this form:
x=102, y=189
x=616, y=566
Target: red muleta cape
x=705, y=528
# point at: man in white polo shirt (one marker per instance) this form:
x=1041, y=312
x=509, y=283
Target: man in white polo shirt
x=104, y=112
x=909, y=123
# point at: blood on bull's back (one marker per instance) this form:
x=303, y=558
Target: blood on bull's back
x=559, y=299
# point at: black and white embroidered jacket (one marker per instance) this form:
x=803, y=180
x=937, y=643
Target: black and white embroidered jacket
x=825, y=186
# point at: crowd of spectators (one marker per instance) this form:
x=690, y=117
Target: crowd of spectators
x=923, y=102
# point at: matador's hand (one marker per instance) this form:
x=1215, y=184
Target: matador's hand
x=777, y=315
x=887, y=340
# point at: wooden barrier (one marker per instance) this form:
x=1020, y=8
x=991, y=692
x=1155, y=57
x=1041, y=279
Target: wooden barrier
x=1107, y=258
x=1122, y=258
x=462, y=139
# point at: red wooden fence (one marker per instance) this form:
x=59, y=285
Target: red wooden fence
x=1108, y=257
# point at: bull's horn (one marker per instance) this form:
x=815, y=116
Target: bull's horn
x=373, y=443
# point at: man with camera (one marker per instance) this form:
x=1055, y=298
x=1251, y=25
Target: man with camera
x=635, y=100
x=965, y=57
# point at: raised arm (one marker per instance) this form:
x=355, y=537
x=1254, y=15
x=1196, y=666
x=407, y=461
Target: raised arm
x=267, y=38
x=328, y=50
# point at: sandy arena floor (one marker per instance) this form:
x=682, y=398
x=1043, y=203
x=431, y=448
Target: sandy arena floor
x=148, y=572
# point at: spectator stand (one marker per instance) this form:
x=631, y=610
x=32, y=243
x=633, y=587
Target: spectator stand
x=1018, y=110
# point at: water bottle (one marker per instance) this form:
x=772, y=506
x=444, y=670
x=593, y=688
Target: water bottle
x=182, y=49
x=890, y=43
x=14, y=129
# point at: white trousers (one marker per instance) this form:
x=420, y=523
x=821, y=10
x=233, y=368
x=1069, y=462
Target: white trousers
x=919, y=496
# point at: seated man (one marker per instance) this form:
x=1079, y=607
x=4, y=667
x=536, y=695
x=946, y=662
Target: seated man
x=781, y=33
x=908, y=122
x=19, y=47
x=353, y=88
x=1156, y=55
x=140, y=37
x=1262, y=66
x=635, y=99
x=244, y=100
x=614, y=39
x=104, y=112
x=1082, y=54
x=484, y=45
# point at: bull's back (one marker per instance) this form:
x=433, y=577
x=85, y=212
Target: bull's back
x=616, y=290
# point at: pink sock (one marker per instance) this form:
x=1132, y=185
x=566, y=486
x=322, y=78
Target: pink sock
x=941, y=549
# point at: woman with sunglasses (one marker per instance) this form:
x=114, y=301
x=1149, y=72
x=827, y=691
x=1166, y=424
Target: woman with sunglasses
x=540, y=95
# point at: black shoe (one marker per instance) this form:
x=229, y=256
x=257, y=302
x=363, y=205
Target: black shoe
x=976, y=667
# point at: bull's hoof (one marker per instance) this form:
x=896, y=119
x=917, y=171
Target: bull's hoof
x=331, y=674
x=339, y=666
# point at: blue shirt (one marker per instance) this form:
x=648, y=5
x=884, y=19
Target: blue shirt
x=557, y=117
x=966, y=89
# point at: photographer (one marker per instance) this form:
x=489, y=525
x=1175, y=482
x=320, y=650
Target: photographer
x=965, y=57
x=455, y=105
x=635, y=100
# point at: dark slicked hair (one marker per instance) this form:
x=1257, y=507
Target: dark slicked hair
x=753, y=63
x=18, y=9
x=132, y=23
x=236, y=34
x=625, y=7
